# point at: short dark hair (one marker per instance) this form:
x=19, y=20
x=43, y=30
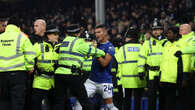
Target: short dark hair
x=14, y=20
x=175, y=29
x=101, y=26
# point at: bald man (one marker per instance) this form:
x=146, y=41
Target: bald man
x=37, y=37
x=39, y=31
x=186, y=44
x=185, y=29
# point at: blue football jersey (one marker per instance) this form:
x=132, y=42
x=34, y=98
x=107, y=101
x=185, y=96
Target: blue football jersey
x=101, y=74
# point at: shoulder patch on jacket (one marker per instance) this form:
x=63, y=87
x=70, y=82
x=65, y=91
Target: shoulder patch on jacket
x=135, y=49
x=163, y=44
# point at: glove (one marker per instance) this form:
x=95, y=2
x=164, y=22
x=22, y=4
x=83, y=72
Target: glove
x=178, y=54
x=141, y=75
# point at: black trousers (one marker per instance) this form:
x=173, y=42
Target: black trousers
x=187, y=95
x=167, y=96
x=118, y=97
x=137, y=93
x=28, y=100
x=13, y=86
x=39, y=96
x=153, y=88
x=77, y=89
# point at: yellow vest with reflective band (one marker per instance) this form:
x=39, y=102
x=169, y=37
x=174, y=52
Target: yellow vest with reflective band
x=16, y=50
x=46, y=58
x=186, y=41
x=118, y=74
x=190, y=49
x=151, y=53
x=114, y=69
x=169, y=64
x=127, y=58
x=72, y=52
x=87, y=64
x=87, y=61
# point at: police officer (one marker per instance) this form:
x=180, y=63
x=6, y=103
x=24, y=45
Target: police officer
x=169, y=71
x=46, y=56
x=117, y=87
x=186, y=43
x=86, y=67
x=17, y=59
x=67, y=74
x=150, y=55
x=131, y=82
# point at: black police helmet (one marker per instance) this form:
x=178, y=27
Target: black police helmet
x=132, y=33
x=74, y=28
x=52, y=29
x=156, y=24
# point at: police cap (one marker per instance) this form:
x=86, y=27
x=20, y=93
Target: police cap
x=73, y=28
x=132, y=33
x=156, y=24
x=52, y=29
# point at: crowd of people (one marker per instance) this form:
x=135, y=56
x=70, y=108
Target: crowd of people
x=119, y=14
x=144, y=49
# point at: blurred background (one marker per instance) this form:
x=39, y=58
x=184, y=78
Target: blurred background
x=120, y=14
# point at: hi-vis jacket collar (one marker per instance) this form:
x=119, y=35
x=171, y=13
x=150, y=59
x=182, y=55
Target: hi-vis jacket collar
x=189, y=34
x=12, y=28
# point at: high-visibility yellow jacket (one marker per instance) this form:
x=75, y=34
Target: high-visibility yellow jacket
x=87, y=64
x=190, y=49
x=16, y=50
x=186, y=41
x=47, y=56
x=150, y=54
x=127, y=58
x=72, y=52
x=87, y=61
x=169, y=63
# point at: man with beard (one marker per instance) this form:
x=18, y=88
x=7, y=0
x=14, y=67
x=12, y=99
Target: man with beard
x=149, y=62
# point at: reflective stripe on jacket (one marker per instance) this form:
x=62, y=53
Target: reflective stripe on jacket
x=127, y=58
x=16, y=50
x=151, y=53
x=72, y=52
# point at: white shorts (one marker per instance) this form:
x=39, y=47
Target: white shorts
x=105, y=89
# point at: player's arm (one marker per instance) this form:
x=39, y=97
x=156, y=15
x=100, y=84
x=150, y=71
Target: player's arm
x=89, y=50
x=104, y=61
